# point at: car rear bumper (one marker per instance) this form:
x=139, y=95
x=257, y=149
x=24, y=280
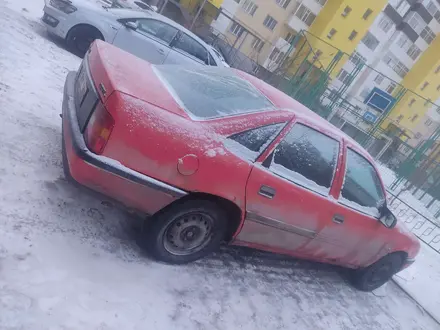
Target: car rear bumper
x=55, y=21
x=106, y=175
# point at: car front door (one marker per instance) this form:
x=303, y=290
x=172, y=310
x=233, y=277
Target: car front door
x=148, y=39
x=359, y=235
x=288, y=195
x=187, y=50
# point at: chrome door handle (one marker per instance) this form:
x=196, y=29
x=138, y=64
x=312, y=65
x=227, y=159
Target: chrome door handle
x=339, y=219
x=267, y=192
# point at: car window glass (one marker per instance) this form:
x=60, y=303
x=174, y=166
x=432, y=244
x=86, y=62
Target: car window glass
x=157, y=29
x=362, y=189
x=192, y=47
x=252, y=143
x=306, y=157
x=211, y=61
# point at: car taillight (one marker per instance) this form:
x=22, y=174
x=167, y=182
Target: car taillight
x=98, y=129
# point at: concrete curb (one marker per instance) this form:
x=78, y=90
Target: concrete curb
x=416, y=301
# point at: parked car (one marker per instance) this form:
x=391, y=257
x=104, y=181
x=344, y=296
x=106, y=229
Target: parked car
x=146, y=34
x=220, y=56
x=214, y=154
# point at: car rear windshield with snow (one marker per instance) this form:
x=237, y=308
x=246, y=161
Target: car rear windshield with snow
x=362, y=189
x=307, y=158
x=208, y=92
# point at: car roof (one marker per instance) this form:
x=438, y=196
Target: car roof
x=132, y=13
x=285, y=102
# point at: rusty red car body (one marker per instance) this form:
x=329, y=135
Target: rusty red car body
x=149, y=153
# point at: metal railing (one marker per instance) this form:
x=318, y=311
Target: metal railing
x=426, y=229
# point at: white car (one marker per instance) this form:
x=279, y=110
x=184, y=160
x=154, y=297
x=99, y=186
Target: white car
x=146, y=34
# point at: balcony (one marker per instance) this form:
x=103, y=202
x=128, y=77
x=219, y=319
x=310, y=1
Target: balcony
x=296, y=24
x=282, y=45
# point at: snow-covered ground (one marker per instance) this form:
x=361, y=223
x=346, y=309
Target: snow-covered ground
x=68, y=258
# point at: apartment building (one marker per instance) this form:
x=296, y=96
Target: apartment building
x=402, y=48
x=264, y=29
x=396, y=39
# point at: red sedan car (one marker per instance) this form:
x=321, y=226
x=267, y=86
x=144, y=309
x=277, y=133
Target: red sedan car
x=215, y=155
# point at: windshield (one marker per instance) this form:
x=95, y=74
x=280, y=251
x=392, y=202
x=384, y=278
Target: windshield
x=209, y=92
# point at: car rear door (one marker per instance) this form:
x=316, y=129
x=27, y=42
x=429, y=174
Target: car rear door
x=187, y=50
x=288, y=195
x=149, y=41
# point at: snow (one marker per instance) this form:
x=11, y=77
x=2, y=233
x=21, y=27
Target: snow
x=422, y=280
x=68, y=257
x=373, y=211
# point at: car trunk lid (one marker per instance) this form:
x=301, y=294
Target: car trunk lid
x=114, y=69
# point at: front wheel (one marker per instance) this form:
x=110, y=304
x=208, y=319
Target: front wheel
x=374, y=276
x=186, y=231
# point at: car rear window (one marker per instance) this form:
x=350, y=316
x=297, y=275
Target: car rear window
x=208, y=92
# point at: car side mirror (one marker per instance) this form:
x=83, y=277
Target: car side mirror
x=387, y=217
x=131, y=25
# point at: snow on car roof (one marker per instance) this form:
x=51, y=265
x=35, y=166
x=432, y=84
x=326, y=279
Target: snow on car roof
x=210, y=92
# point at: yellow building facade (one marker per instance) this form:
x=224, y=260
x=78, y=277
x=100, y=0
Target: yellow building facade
x=423, y=83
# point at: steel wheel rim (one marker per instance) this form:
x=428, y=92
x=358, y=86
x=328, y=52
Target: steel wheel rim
x=188, y=233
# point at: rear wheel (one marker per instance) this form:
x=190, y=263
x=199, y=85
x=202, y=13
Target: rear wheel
x=81, y=37
x=374, y=276
x=186, y=231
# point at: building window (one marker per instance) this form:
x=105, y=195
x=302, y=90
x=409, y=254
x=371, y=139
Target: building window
x=236, y=29
x=357, y=58
x=283, y=3
x=344, y=76
x=428, y=122
x=321, y=2
x=399, y=118
x=276, y=56
x=411, y=103
x=416, y=22
x=237, y=1
x=414, y=118
x=331, y=33
x=425, y=84
x=317, y=55
x=257, y=44
x=367, y=14
x=404, y=42
x=427, y=34
x=249, y=7
x=305, y=15
x=438, y=88
x=418, y=135
x=395, y=64
x=289, y=37
x=379, y=78
x=401, y=6
x=385, y=23
x=370, y=41
x=438, y=69
x=347, y=10
x=353, y=35
x=270, y=22
x=414, y=52
x=391, y=87
x=428, y=102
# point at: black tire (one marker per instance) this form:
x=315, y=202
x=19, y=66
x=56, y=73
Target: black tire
x=81, y=37
x=185, y=231
x=374, y=276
